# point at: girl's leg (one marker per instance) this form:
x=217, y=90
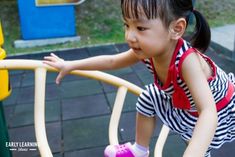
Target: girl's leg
x=144, y=129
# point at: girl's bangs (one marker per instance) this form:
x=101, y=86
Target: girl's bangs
x=135, y=9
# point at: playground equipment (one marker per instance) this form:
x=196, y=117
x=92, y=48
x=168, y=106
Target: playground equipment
x=39, y=106
x=4, y=79
x=58, y=2
x=5, y=91
x=47, y=22
x=39, y=103
x=45, y=19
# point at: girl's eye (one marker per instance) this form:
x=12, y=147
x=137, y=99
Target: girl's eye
x=141, y=28
x=126, y=25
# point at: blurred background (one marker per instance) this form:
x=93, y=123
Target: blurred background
x=99, y=22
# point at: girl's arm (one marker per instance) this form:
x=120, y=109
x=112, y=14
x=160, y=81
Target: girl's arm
x=104, y=62
x=195, y=77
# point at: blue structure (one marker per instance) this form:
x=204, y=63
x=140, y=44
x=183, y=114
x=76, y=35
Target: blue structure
x=46, y=22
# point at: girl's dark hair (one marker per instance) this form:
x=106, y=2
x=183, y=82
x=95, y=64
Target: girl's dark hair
x=167, y=11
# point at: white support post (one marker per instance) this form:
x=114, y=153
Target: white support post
x=158, y=150
x=116, y=113
x=39, y=112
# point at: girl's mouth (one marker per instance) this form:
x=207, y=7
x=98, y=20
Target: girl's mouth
x=136, y=49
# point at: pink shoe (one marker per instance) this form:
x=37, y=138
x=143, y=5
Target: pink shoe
x=123, y=150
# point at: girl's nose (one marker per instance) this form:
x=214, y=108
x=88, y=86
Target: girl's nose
x=130, y=36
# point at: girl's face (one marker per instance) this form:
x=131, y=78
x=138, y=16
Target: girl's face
x=147, y=38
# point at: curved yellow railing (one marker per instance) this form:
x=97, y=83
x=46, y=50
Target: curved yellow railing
x=39, y=106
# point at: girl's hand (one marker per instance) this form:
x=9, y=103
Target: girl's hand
x=58, y=63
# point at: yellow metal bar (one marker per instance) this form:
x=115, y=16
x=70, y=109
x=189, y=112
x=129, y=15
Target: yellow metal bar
x=5, y=89
x=2, y=54
x=101, y=76
x=98, y=75
x=1, y=35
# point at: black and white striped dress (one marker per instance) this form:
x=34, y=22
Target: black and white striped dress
x=157, y=99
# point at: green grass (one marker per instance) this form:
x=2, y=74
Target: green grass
x=99, y=22
x=217, y=12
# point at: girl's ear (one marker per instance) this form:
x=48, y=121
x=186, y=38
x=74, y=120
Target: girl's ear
x=177, y=28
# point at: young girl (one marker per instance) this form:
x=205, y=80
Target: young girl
x=190, y=94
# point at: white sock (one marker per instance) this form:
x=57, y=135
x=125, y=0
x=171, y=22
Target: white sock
x=140, y=151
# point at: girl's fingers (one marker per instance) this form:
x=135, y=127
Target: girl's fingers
x=57, y=81
x=53, y=55
x=50, y=63
x=55, y=61
x=49, y=58
x=59, y=77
